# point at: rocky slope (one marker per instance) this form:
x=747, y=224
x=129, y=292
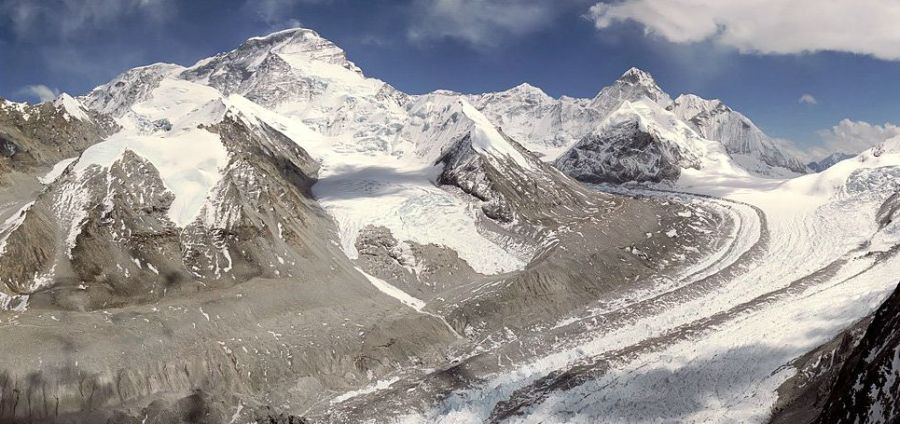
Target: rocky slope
x=36, y=137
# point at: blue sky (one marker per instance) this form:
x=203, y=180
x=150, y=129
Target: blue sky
x=848, y=70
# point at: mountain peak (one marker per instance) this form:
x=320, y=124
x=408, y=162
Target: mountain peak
x=638, y=77
x=528, y=90
x=285, y=33
x=525, y=87
x=633, y=85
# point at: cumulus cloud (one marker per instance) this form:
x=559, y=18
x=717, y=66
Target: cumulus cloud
x=480, y=23
x=866, y=27
x=855, y=136
x=807, y=99
x=848, y=137
x=40, y=92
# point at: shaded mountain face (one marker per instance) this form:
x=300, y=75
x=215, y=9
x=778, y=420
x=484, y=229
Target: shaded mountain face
x=622, y=153
x=508, y=191
x=642, y=142
x=867, y=387
x=852, y=379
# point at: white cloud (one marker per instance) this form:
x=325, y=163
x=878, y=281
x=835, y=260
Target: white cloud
x=40, y=92
x=807, y=99
x=278, y=14
x=480, y=23
x=64, y=18
x=855, y=136
x=848, y=136
x=767, y=26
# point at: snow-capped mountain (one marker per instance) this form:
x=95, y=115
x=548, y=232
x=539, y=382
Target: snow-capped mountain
x=216, y=160
x=744, y=141
x=633, y=85
x=552, y=126
x=269, y=231
x=542, y=124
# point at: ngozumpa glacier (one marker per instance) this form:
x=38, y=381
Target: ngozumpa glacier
x=269, y=235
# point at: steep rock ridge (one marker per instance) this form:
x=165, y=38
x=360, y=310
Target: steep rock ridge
x=261, y=220
x=92, y=235
x=508, y=190
x=36, y=137
x=867, y=386
x=115, y=242
x=743, y=140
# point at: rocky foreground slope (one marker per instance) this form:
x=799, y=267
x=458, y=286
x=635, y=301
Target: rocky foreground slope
x=269, y=234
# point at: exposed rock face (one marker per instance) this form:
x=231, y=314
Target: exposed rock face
x=867, y=387
x=888, y=212
x=423, y=271
x=507, y=190
x=99, y=235
x=260, y=221
x=802, y=397
x=625, y=152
